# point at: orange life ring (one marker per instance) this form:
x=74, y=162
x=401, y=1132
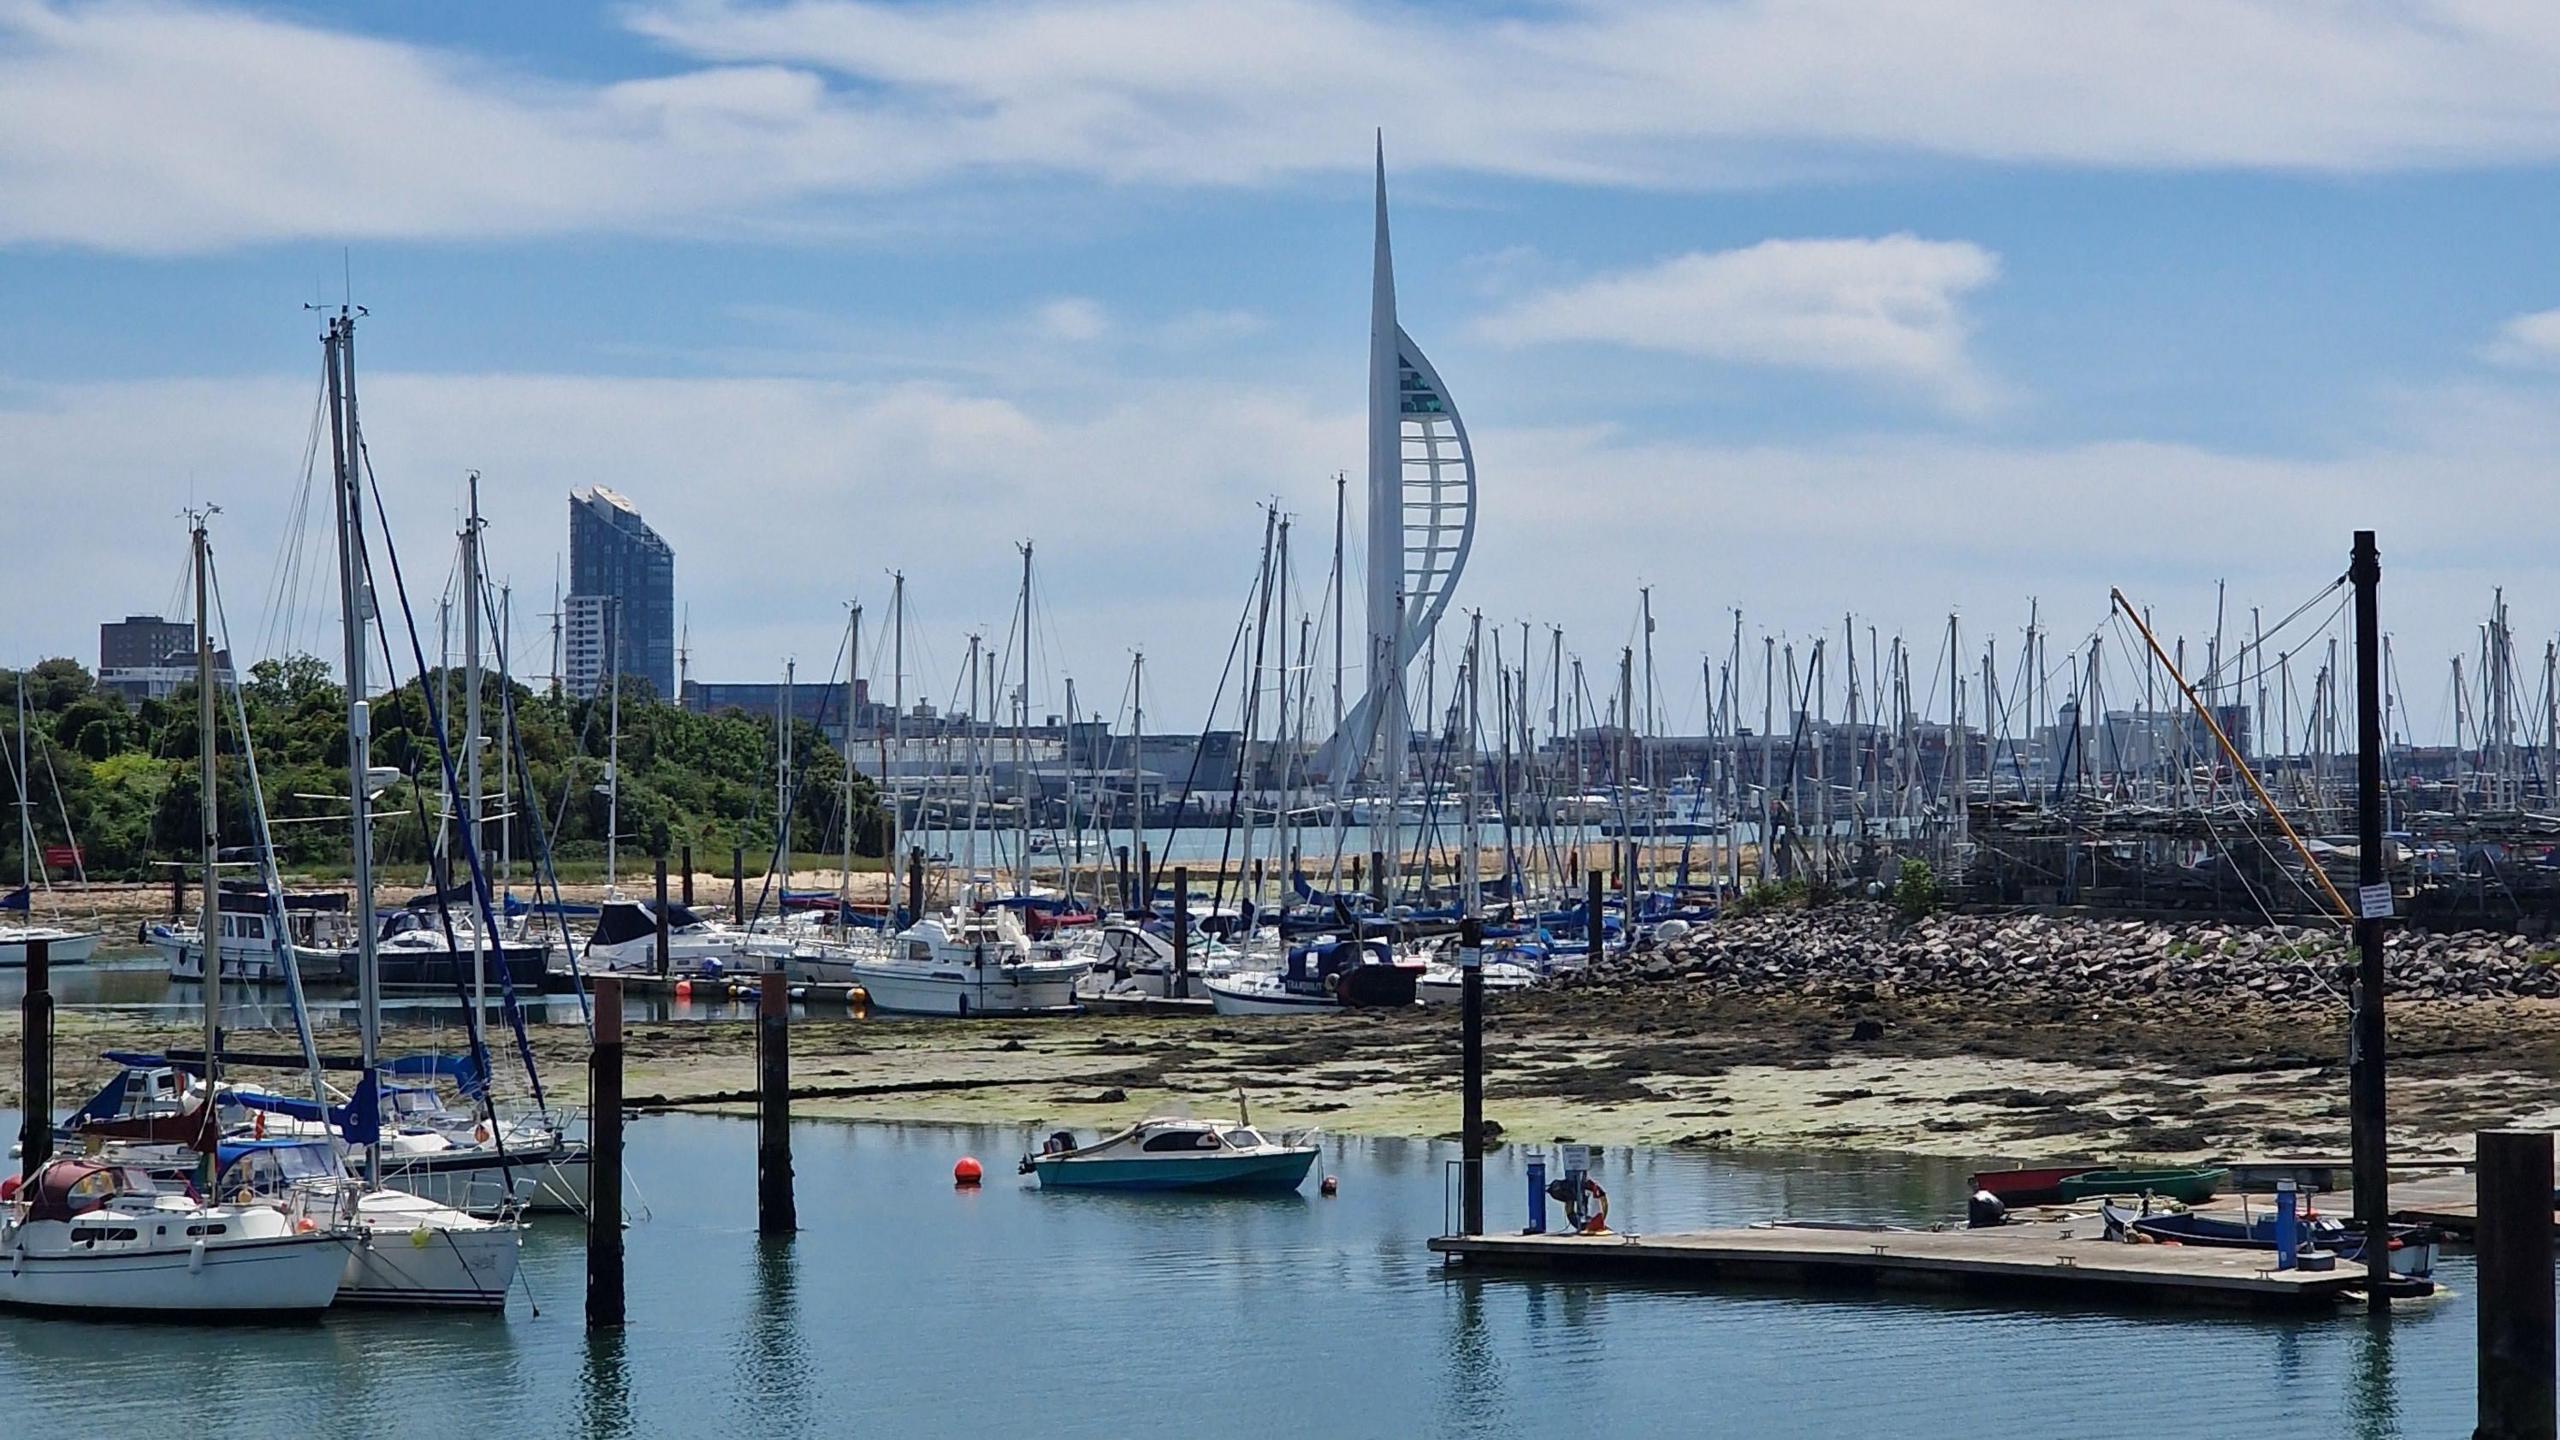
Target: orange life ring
x=1597, y=1222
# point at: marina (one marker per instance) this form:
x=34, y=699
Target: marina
x=805, y=1332
x=1775, y=786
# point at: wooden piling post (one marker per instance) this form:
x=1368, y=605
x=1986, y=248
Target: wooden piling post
x=1181, y=932
x=604, y=1158
x=738, y=885
x=688, y=877
x=35, y=1030
x=1471, y=1076
x=663, y=967
x=1128, y=894
x=2366, y=1043
x=1599, y=927
x=776, y=1212
x=1146, y=878
x=2516, y=1319
x=1378, y=876
x=915, y=884
x=177, y=893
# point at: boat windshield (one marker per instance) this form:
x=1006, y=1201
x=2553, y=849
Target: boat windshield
x=1245, y=1140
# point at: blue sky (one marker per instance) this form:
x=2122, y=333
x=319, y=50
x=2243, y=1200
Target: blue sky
x=1885, y=308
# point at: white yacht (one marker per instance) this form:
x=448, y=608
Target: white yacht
x=62, y=947
x=87, y=1236
x=403, y=1249
x=626, y=938
x=965, y=963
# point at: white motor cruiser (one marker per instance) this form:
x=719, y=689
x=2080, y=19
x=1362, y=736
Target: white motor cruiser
x=317, y=940
x=965, y=963
x=88, y=1236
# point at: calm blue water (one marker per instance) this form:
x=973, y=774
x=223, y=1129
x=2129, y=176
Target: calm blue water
x=909, y=1309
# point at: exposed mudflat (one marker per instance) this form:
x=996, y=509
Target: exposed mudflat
x=1666, y=1065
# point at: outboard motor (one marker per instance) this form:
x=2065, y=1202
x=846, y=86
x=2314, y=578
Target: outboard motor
x=1985, y=1210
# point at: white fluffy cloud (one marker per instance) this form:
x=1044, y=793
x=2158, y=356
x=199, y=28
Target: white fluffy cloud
x=162, y=126
x=2531, y=340
x=1889, y=309
x=784, y=497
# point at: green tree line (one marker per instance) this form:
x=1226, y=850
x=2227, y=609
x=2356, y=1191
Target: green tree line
x=124, y=776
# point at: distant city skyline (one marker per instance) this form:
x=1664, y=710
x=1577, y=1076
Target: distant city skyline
x=2154, y=297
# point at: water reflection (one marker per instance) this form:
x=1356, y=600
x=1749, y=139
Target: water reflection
x=1473, y=1401
x=2374, y=1401
x=604, y=1389
x=773, y=1361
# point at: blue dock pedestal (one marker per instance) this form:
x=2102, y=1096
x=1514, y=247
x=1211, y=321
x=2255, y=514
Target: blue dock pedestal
x=2288, y=1226
x=1537, y=1196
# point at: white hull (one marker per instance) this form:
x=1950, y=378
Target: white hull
x=684, y=952
x=1446, y=984
x=64, y=947
x=286, y=1275
x=955, y=990
x=412, y=1252
x=1229, y=997
x=475, y=1181
x=244, y=964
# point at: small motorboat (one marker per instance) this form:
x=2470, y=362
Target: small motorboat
x=2413, y=1247
x=2192, y=1186
x=2026, y=1187
x=1328, y=974
x=1173, y=1153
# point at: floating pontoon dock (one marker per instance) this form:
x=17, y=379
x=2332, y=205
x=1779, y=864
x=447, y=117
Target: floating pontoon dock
x=2062, y=1262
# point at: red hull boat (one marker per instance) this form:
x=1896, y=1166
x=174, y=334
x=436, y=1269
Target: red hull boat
x=2028, y=1187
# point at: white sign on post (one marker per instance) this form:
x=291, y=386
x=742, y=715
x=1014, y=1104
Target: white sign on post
x=1577, y=1157
x=2373, y=902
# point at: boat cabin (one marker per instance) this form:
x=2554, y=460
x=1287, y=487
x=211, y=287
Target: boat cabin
x=76, y=1185
x=271, y=1167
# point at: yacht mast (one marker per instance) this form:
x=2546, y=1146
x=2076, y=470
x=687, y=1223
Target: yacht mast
x=613, y=744
x=852, y=670
x=471, y=720
x=897, y=734
x=1136, y=902
x=1022, y=740
x=210, y=824
x=355, y=616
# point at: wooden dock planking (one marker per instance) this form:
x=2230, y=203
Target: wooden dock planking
x=2027, y=1258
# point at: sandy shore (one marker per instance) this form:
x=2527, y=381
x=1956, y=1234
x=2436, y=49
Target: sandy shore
x=1664, y=1067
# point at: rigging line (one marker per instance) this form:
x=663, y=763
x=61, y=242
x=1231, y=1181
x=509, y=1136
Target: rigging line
x=470, y=827
x=269, y=880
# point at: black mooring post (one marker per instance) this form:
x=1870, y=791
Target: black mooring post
x=1378, y=876
x=2373, y=904
x=776, y=1213
x=663, y=967
x=1146, y=878
x=35, y=1028
x=604, y=1158
x=177, y=893
x=1128, y=896
x=738, y=885
x=688, y=877
x=1181, y=932
x=1471, y=1077
x=1597, y=892
x=2514, y=1244
x=915, y=883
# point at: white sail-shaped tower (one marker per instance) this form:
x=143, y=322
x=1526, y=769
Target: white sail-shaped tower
x=1422, y=523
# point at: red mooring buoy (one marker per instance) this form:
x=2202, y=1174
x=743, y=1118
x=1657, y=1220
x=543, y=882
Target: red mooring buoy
x=967, y=1173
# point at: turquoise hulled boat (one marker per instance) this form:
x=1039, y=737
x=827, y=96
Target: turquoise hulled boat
x=1171, y=1153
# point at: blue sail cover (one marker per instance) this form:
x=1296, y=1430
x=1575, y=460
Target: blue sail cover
x=15, y=899
x=467, y=1074
x=359, y=1120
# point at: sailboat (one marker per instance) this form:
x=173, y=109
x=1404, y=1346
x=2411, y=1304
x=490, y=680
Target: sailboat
x=62, y=946
x=88, y=1234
